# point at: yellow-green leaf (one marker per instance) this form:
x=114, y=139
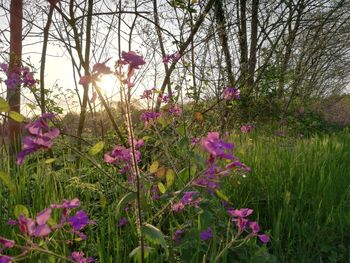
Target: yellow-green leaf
x=21, y=210
x=7, y=181
x=161, y=188
x=154, y=167
x=4, y=106
x=170, y=177
x=96, y=148
x=16, y=116
x=51, y=160
x=221, y=195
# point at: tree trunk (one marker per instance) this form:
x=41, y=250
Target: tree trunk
x=14, y=95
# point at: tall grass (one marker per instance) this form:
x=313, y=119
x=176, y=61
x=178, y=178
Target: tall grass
x=299, y=189
x=301, y=192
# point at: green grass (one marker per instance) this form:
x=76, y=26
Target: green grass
x=299, y=190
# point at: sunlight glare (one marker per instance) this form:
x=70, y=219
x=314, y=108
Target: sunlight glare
x=108, y=84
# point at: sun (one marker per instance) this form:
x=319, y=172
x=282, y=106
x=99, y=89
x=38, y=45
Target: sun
x=108, y=85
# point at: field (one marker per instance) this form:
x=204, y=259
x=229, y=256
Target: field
x=298, y=189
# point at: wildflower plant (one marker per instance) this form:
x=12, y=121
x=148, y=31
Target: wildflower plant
x=37, y=235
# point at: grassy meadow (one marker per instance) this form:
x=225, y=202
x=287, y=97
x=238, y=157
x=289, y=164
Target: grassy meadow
x=299, y=190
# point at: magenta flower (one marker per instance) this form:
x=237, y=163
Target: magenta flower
x=37, y=227
x=149, y=116
x=187, y=200
x=206, y=234
x=41, y=136
x=121, y=156
x=6, y=243
x=132, y=59
x=19, y=76
x=178, y=235
x=231, y=93
x=147, y=94
x=217, y=147
x=175, y=110
x=238, y=164
x=74, y=203
x=5, y=259
x=123, y=222
x=243, y=212
x=79, y=221
x=264, y=238
x=79, y=257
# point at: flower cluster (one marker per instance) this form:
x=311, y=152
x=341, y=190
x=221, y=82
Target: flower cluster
x=239, y=217
x=41, y=136
x=134, y=62
x=19, y=76
x=122, y=156
x=231, y=93
x=171, y=57
x=39, y=227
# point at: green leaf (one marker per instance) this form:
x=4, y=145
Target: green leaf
x=21, y=210
x=96, y=148
x=136, y=253
x=161, y=188
x=170, y=178
x=126, y=199
x=221, y=195
x=7, y=181
x=16, y=116
x=31, y=106
x=155, y=236
x=51, y=160
x=4, y=106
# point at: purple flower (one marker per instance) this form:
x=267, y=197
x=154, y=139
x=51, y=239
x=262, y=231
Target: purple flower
x=178, y=235
x=6, y=243
x=5, y=259
x=41, y=136
x=206, y=234
x=132, y=59
x=243, y=212
x=175, y=110
x=74, y=203
x=231, y=93
x=79, y=221
x=241, y=223
x=121, y=156
x=79, y=257
x=264, y=238
x=12, y=222
x=217, y=147
x=123, y=222
x=37, y=227
x=149, y=116
x=238, y=164
x=187, y=199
